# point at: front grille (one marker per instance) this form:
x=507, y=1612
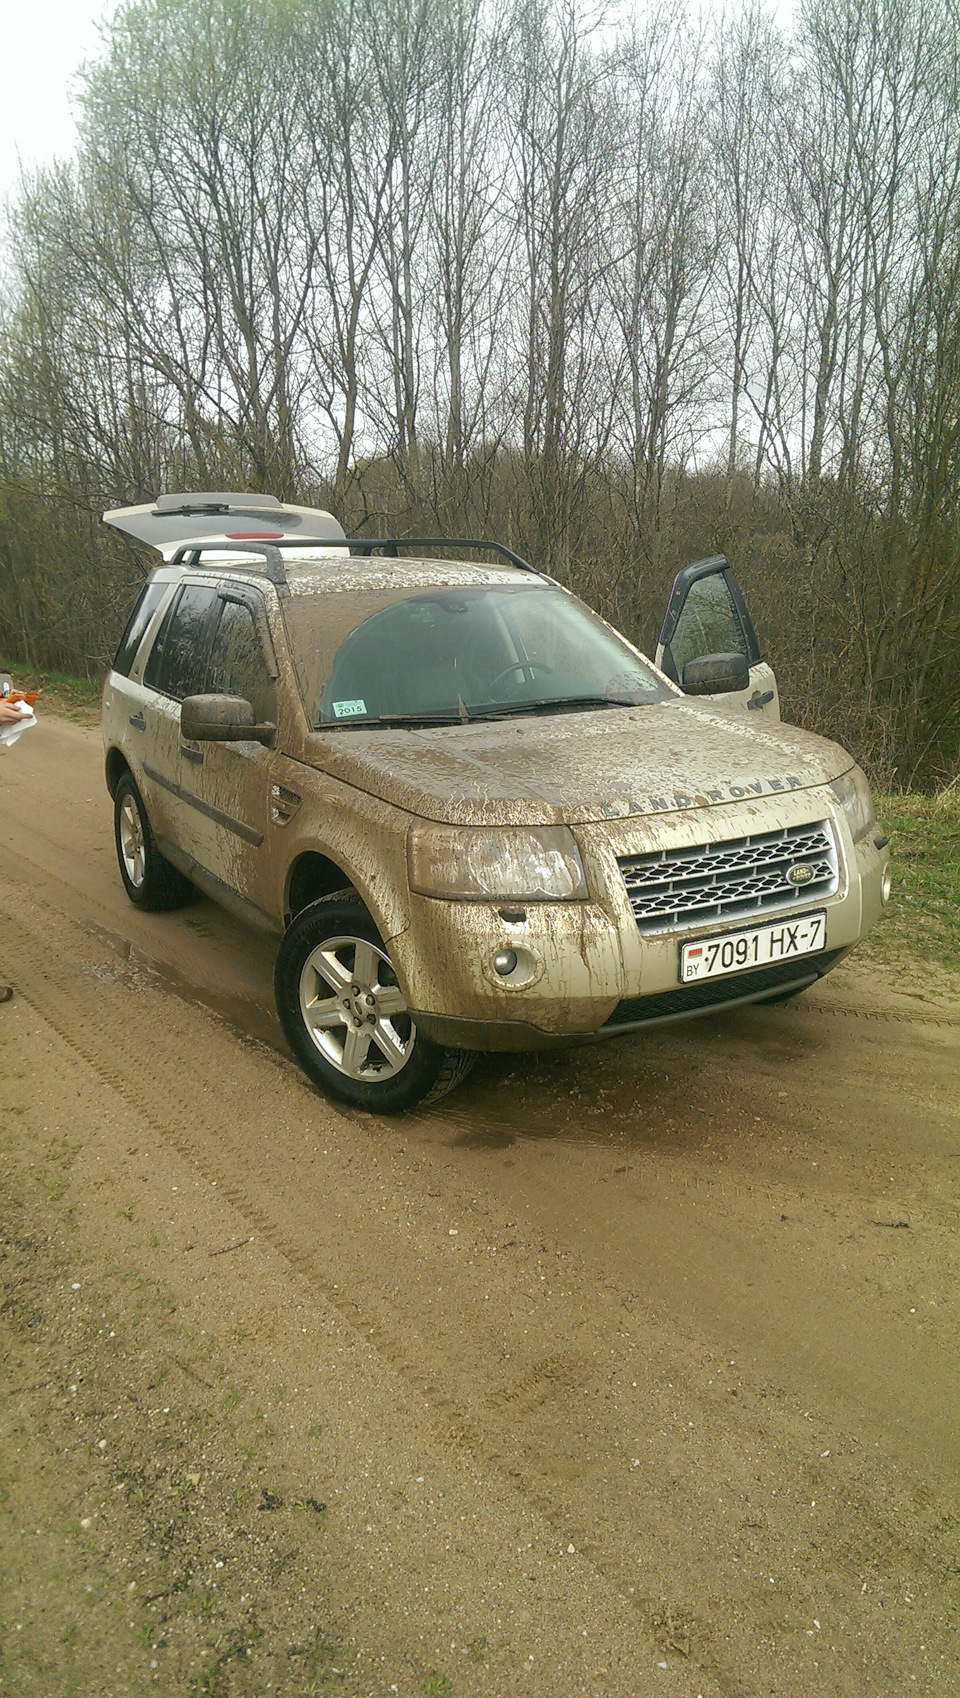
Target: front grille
x=713, y=993
x=729, y=881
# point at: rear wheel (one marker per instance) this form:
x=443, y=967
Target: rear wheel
x=149, y=880
x=345, y=1016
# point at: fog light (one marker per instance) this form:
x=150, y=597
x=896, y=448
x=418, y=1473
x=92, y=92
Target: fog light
x=504, y=962
x=886, y=884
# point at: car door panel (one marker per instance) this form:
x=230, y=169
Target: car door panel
x=161, y=761
x=174, y=669
x=706, y=614
x=129, y=723
x=227, y=786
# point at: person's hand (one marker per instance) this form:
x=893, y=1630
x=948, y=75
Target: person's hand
x=8, y=712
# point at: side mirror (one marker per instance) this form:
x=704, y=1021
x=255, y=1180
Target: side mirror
x=223, y=719
x=715, y=674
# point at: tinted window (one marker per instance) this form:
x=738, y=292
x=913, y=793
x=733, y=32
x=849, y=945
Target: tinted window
x=178, y=658
x=151, y=672
x=144, y=609
x=708, y=624
x=237, y=667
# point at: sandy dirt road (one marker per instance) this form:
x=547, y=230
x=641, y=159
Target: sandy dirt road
x=626, y=1371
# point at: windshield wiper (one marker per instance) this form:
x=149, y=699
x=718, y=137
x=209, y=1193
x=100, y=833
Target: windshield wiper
x=385, y=721
x=552, y=704
x=464, y=715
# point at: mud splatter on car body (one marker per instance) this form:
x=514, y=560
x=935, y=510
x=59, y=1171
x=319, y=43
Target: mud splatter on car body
x=308, y=805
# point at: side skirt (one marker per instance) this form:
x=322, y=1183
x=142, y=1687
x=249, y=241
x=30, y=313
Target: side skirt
x=245, y=911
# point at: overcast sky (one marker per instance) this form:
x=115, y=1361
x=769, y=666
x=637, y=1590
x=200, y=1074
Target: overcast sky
x=44, y=42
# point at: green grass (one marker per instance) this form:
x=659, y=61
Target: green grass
x=63, y=694
x=924, y=916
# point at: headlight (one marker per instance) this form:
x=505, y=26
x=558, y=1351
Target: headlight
x=853, y=793
x=492, y=866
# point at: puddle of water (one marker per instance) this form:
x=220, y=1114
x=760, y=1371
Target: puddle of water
x=245, y=1015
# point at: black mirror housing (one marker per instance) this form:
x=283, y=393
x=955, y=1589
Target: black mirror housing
x=715, y=674
x=223, y=719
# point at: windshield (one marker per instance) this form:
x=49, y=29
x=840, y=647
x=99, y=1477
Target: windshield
x=458, y=653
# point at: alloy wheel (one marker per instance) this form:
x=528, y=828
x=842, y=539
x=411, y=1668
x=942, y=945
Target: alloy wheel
x=131, y=841
x=354, y=1009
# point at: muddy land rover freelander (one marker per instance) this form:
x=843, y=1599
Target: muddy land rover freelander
x=476, y=817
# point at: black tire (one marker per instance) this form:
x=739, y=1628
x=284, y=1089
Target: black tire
x=363, y=1048
x=149, y=881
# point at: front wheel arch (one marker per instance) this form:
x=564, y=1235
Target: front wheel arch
x=313, y=877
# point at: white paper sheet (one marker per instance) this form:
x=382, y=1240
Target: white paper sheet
x=10, y=733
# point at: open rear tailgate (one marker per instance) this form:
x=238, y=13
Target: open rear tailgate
x=174, y=521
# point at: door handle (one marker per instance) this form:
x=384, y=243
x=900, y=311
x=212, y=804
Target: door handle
x=758, y=701
x=195, y=755
x=138, y=722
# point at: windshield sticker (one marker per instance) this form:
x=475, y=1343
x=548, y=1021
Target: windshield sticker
x=349, y=710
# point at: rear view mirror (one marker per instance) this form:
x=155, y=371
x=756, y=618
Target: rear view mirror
x=715, y=674
x=223, y=719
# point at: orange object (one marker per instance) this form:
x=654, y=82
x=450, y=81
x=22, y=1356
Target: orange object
x=28, y=696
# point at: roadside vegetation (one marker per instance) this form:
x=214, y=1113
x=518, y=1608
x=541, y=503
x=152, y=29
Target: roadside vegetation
x=924, y=916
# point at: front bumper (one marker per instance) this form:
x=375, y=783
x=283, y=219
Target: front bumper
x=587, y=971
x=684, y=1002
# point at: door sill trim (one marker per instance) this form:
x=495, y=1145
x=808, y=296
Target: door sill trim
x=219, y=892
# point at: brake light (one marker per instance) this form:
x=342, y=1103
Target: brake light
x=253, y=536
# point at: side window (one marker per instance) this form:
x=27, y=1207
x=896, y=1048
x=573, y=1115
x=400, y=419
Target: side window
x=144, y=609
x=178, y=658
x=708, y=624
x=237, y=666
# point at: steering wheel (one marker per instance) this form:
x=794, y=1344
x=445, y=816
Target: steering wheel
x=530, y=666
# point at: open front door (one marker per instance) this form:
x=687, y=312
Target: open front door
x=707, y=616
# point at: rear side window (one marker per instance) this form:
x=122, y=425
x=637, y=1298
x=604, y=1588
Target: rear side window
x=145, y=607
x=178, y=659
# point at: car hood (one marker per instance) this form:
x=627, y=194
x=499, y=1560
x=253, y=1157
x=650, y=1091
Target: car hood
x=577, y=768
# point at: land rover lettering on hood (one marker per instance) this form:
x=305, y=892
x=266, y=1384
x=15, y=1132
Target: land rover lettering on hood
x=474, y=816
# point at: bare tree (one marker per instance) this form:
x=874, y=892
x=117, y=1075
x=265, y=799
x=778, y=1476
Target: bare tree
x=622, y=293
x=662, y=258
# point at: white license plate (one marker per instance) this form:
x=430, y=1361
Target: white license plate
x=764, y=946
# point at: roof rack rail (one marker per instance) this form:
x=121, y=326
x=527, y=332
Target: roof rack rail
x=190, y=554
x=366, y=545
x=273, y=568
